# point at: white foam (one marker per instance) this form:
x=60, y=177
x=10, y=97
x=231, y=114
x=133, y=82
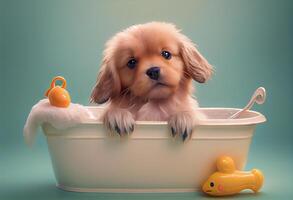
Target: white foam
x=60, y=118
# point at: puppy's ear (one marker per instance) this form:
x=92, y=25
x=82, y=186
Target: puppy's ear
x=197, y=66
x=108, y=83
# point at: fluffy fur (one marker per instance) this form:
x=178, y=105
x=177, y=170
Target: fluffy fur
x=132, y=95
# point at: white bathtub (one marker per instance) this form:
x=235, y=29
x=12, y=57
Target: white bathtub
x=86, y=158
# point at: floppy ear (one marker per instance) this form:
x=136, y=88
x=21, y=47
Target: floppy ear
x=197, y=66
x=108, y=83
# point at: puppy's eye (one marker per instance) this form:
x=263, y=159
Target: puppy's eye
x=166, y=54
x=132, y=63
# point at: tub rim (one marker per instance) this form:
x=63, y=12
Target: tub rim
x=257, y=119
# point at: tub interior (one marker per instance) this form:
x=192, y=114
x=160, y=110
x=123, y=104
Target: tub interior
x=214, y=116
x=217, y=113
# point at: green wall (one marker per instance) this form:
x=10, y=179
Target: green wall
x=249, y=43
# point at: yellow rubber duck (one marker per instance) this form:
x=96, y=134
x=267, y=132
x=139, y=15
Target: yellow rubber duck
x=58, y=96
x=228, y=181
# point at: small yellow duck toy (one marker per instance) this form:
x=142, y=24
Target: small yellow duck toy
x=228, y=181
x=58, y=96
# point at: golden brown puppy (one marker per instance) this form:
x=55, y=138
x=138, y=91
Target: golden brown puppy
x=146, y=74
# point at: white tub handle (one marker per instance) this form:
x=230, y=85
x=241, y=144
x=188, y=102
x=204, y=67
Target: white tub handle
x=259, y=96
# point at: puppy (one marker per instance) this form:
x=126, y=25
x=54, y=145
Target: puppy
x=146, y=74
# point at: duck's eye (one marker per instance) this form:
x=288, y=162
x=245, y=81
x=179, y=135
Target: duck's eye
x=212, y=184
x=132, y=63
x=166, y=54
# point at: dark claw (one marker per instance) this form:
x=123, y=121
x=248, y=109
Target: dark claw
x=173, y=131
x=125, y=131
x=132, y=128
x=117, y=129
x=184, y=135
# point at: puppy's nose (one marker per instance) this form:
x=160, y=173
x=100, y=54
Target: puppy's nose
x=153, y=73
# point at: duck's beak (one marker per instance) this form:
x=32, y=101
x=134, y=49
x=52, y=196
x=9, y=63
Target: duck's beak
x=206, y=189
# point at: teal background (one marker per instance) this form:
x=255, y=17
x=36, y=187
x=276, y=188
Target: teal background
x=249, y=43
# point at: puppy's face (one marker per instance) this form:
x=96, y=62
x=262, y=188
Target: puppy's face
x=150, y=61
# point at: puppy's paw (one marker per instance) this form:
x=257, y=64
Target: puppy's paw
x=182, y=124
x=119, y=120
